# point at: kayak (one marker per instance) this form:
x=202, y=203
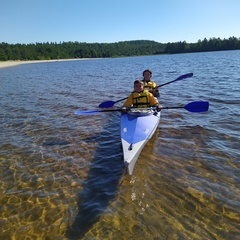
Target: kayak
x=137, y=126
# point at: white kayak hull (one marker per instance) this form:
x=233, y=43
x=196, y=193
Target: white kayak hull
x=136, y=130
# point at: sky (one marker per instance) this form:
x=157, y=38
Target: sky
x=109, y=21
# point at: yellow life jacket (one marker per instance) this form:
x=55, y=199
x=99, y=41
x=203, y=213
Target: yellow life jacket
x=149, y=85
x=140, y=100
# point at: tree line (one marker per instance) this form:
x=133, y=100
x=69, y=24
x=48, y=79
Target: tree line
x=69, y=50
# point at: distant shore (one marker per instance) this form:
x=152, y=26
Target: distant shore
x=5, y=64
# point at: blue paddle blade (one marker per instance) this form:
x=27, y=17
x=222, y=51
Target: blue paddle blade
x=87, y=112
x=201, y=106
x=187, y=75
x=106, y=104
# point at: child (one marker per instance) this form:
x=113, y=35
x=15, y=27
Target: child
x=140, y=98
x=149, y=84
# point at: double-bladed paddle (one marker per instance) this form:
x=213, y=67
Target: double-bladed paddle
x=108, y=104
x=201, y=106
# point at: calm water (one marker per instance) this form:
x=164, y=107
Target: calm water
x=62, y=175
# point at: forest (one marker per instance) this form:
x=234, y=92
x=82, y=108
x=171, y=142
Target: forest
x=71, y=50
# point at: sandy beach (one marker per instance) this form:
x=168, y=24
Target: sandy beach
x=4, y=64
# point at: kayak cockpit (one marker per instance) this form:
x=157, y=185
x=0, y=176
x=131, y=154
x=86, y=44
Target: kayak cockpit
x=141, y=111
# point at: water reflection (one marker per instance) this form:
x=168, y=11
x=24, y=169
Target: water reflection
x=102, y=181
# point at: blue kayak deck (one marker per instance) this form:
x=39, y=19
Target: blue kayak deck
x=137, y=128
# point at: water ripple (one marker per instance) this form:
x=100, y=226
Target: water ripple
x=62, y=175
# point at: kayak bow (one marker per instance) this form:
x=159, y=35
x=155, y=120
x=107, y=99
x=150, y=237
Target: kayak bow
x=137, y=127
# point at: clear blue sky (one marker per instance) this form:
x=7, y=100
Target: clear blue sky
x=107, y=21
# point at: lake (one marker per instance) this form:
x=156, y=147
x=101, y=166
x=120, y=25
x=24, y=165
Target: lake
x=63, y=176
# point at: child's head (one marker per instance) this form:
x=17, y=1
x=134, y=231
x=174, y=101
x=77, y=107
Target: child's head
x=147, y=74
x=138, y=86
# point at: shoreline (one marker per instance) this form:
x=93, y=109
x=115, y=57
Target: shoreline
x=13, y=63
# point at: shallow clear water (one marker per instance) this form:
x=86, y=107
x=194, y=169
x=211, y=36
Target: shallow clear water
x=62, y=175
